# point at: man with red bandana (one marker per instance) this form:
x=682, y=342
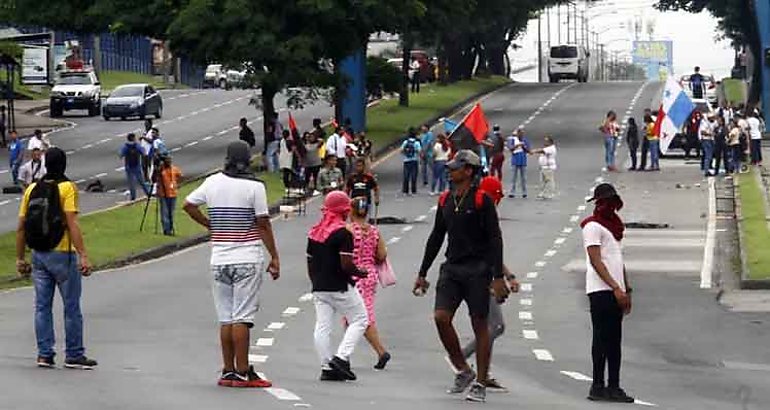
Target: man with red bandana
x=608, y=291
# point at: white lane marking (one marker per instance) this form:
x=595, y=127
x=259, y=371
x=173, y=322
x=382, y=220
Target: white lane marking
x=574, y=218
x=708, y=250
x=70, y=152
x=290, y=311
x=176, y=149
x=577, y=376
x=550, y=253
x=721, y=230
x=276, y=325
x=540, y=264
x=257, y=358
x=80, y=181
x=100, y=175
x=223, y=132
x=182, y=95
x=599, y=180
x=524, y=315
x=581, y=208
x=525, y=302
x=4, y=171
x=208, y=138
x=191, y=144
x=181, y=117
x=407, y=228
x=112, y=191
x=103, y=140
x=6, y=202
x=393, y=240
x=194, y=113
x=434, y=208
x=307, y=297
x=559, y=241
x=120, y=169
x=644, y=403
x=530, y=334
x=531, y=275
x=542, y=354
x=526, y=287
x=282, y=394
x=566, y=230
x=421, y=218
x=87, y=146
x=264, y=341
x=588, y=197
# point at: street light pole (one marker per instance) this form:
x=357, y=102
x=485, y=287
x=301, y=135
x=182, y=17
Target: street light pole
x=539, y=50
x=568, y=30
x=558, y=23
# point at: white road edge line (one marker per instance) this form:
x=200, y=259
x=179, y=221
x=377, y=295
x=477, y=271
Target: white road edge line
x=708, y=249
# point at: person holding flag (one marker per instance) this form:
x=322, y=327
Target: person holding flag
x=471, y=131
x=675, y=110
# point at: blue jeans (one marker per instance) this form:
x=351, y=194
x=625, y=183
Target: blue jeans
x=167, y=206
x=708, y=155
x=521, y=171
x=15, y=172
x=426, y=164
x=49, y=271
x=439, y=176
x=272, y=156
x=410, y=177
x=134, y=177
x=609, y=151
x=655, y=154
x=756, y=151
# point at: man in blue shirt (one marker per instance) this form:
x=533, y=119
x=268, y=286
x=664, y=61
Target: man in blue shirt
x=427, y=140
x=410, y=151
x=15, y=156
x=519, y=146
x=132, y=152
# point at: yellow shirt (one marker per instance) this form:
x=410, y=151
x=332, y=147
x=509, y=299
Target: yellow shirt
x=651, y=132
x=68, y=196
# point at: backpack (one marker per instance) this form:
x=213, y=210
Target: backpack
x=133, y=156
x=409, y=149
x=479, y=198
x=44, y=226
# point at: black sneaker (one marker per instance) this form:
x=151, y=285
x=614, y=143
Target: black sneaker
x=81, y=363
x=46, y=362
x=477, y=393
x=331, y=375
x=384, y=359
x=343, y=367
x=617, y=395
x=597, y=393
x=227, y=379
x=462, y=381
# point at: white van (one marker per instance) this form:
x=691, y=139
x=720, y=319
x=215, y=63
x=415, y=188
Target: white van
x=568, y=61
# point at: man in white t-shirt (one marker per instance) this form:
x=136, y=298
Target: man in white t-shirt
x=754, y=126
x=547, y=163
x=240, y=229
x=337, y=144
x=608, y=291
x=38, y=141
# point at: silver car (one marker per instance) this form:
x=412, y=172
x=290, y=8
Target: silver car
x=133, y=100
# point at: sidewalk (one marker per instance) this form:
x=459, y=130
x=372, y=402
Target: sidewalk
x=27, y=120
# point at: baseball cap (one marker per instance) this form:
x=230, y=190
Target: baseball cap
x=493, y=187
x=603, y=191
x=464, y=157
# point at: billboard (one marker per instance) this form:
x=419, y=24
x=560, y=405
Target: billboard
x=657, y=57
x=34, y=66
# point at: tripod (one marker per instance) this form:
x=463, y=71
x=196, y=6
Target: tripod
x=158, y=186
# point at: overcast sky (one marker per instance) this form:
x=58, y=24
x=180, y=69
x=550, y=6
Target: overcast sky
x=694, y=35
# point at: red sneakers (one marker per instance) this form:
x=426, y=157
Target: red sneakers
x=250, y=379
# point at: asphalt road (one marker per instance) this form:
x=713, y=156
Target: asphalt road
x=153, y=328
x=196, y=126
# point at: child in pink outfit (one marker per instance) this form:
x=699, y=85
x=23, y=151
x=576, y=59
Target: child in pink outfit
x=368, y=250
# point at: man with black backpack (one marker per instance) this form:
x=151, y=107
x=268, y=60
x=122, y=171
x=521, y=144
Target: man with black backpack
x=410, y=150
x=48, y=224
x=132, y=159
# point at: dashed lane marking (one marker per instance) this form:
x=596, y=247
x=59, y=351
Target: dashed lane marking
x=282, y=394
x=566, y=230
x=393, y=240
x=100, y=175
x=6, y=202
x=264, y=341
x=290, y=311
x=257, y=358
x=307, y=297
x=223, y=132
x=574, y=218
x=80, y=181
x=524, y=315
x=577, y=376
x=407, y=228
x=4, y=171
x=542, y=354
x=70, y=152
x=120, y=169
x=191, y=144
x=276, y=325
x=208, y=138
x=599, y=180
x=550, y=253
x=176, y=149
x=434, y=208
x=112, y=191
x=588, y=197
x=87, y=146
x=559, y=241
x=525, y=302
x=644, y=403
x=421, y=218
x=526, y=287
x=532, y=275
x=530, y=334
x=581, y=208
x=540, y=264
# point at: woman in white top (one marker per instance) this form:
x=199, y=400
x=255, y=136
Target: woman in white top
x=285, y=157
x=441, y=151
x=547, y=162
x=610, y=129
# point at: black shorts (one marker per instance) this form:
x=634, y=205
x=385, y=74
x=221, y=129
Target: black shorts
x=467, y=282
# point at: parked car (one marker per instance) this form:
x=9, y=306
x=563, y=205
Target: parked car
x=133, y=100
x=709, y=87
x=223, y=77
x=427, y=66
x=680, y=139
x=76, y=90
x=568, y=61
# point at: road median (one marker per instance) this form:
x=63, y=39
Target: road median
x=113, y=238
x=754, y=230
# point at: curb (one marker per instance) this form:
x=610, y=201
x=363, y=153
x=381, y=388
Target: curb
x=176, y=246
x=749, y=284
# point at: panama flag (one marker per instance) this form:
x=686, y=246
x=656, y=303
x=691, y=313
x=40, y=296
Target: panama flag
x=675, y=109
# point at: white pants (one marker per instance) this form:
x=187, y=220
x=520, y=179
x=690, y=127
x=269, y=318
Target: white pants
x=349, y=305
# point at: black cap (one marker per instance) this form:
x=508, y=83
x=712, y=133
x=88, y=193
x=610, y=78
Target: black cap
x=604, y=191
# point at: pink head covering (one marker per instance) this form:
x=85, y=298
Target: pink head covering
x=335, y=209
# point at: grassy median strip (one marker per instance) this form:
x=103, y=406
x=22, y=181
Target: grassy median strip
x=114, y=234
x=756, y=234
x=111, y=79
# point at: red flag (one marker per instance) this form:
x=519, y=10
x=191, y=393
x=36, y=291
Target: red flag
x=293, y=128
x=658, y=121
x=476, y=123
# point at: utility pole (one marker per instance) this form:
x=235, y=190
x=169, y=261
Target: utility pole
x=548, y=23
x=568, y=30
x=575, y=25
x=558, y=23
x=539, y=49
